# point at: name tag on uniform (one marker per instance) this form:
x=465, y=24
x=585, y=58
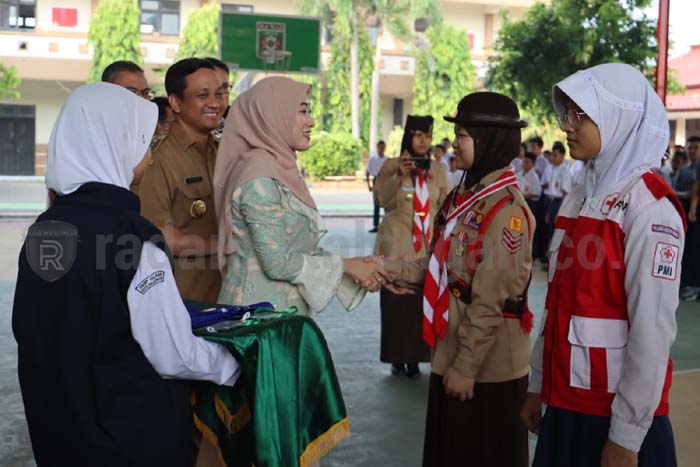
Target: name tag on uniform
x=408, y=189
x=191, y=180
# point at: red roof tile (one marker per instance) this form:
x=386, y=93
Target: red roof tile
x=688, y=67
x=688, y=73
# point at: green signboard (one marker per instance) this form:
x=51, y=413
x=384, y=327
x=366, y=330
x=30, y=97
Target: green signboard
x=270, y=42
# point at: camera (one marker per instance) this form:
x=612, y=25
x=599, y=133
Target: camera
x=421, y=162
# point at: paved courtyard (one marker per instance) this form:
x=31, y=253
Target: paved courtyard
x=386, y=413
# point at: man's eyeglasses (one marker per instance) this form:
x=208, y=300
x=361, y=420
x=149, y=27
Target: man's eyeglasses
x=145, y=93
x=572, y=118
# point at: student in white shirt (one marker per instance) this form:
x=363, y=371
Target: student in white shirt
x=559, y=185
x=518, y=161
x=535, y=145
x=374, y=165
x=529, y=182
x=440, y=155
x=454, y=175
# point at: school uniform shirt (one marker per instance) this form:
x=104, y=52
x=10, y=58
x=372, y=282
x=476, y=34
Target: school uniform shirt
x=517, y=164
x=375, y=163
x=559, y=181
x=395, y=194
x=541, y=164
x=106, y=352
x=603, y=346
x=530, y=184
x=575, y=168
x=177, y=189
x=455, y=177
x=481, y=342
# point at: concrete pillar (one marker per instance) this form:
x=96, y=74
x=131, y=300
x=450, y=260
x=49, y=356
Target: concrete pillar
x=680, y=131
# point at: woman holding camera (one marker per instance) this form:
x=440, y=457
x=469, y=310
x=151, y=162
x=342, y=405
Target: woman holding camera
x=411, y=191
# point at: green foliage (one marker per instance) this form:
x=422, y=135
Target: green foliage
x=673, y=84
x=200, y=37
x=393, y=142
x=115, y=34
x=331, y=154
x=9, y=82
x=428, y=9
x=336, y=107
x=444, y=74
x=200, y=34
x=553, y=41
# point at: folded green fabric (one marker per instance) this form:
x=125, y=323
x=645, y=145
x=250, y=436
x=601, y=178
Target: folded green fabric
x=286, y=409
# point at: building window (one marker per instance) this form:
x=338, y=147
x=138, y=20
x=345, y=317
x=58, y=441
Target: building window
x=18, y=14
x=692, y=127
x=398, y=112
x=160, y=16
x=17, y=142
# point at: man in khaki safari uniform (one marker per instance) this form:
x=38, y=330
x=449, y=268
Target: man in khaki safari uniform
x=176, y=191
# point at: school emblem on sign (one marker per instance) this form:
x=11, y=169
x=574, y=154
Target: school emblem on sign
x=270, y=38
x=51, y=247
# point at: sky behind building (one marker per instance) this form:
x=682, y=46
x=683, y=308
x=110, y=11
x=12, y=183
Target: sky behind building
x=684, y=20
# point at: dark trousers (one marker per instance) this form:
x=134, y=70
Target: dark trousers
x=376, y=214
x=551, y=209
x=570, y=439
x=690, y=264
x=539, y=238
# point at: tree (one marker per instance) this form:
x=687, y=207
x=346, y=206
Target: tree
x=343, y=15
x=115, y=34
x=553, y=41
x=391, y=15
x=444, y=74
x=200, y=36
x=394, y=16
x=337, y=108
x=9, y=82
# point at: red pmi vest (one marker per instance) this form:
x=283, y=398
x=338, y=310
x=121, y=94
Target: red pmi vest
x=587, y=321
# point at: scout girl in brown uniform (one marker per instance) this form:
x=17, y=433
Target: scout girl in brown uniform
x=410, y=197
x=476, y=317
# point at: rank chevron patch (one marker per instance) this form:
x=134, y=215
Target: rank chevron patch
x=510, y=241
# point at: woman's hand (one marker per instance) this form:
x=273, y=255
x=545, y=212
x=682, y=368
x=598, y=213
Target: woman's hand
x=457, y=385
x=365, y=272
x=615, y=455
x=531, y=411
x=406, y=165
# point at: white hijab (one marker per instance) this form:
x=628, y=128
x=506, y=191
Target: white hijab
x=102, y=133
x=632, y=120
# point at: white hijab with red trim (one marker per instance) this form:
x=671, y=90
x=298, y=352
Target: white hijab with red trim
x=632, y=121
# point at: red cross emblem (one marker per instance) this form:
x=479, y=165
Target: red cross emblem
x=608, y=203
x=667, y=255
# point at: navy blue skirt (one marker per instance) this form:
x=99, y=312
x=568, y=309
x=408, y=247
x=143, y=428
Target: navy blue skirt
x=570, y=439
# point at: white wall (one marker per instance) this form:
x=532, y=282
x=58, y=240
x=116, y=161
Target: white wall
x=48, y=97
x=44, y=14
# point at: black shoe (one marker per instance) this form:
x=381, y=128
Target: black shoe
x=412, y=370
x=373, y=230
x=397, y=368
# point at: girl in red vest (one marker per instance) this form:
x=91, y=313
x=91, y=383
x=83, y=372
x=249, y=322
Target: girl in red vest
x=601, y=361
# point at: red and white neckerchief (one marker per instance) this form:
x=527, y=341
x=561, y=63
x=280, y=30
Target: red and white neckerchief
x=421, y=212
x=436, y=299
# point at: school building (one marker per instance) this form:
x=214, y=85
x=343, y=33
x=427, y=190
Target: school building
x=46, y=40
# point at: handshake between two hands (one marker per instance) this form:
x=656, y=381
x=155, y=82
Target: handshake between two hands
x=371, y=272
